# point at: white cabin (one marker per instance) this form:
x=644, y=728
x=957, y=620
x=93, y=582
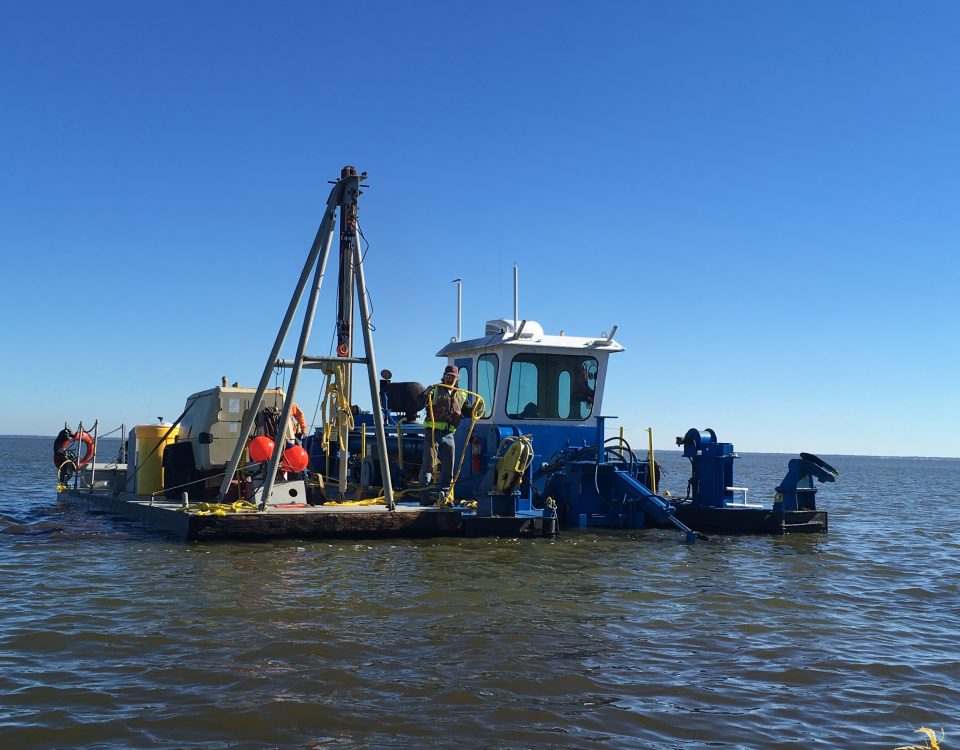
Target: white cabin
x=525, y=375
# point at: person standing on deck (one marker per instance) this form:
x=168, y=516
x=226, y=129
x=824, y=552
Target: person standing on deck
x=298, y=425
x=445, y=404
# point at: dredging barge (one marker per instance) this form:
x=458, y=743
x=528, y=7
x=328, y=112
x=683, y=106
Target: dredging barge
x=532, y=452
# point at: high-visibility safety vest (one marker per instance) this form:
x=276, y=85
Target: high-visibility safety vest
x=447, y=408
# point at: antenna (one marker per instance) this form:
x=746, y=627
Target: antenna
x=459, y=284
x=516, y=295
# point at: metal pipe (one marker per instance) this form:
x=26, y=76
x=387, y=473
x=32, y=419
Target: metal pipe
x=459, y=284
x=317, y=363
x=76, y=474
x=372, y=377
x=93, y=461
x=321, y=245
x=518, y=330
x=279, y=445
x=600, y=437
x=400, y=444
x=349, y=241
x=345, y=286
x=516, y=295
x=653, y=465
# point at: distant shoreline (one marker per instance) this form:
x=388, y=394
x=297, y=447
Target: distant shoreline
x=658, y=450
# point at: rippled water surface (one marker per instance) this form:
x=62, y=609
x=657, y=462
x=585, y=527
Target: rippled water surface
x=112, y=637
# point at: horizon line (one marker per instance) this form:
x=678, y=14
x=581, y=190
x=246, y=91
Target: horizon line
x=658, y=450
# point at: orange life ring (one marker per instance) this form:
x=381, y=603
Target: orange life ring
x=78, y=437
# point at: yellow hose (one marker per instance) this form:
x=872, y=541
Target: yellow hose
x=514, y=462
x=335, y=409
x=221, y=509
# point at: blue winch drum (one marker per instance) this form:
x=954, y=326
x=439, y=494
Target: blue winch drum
x=700, y=438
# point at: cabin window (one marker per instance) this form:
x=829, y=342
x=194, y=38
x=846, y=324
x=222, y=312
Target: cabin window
x=585, y=385
x=487, y=380
x=551, y=386
x=463, y=381
x=563, y=395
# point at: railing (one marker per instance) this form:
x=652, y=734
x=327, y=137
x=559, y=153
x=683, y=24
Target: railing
x=742, y=501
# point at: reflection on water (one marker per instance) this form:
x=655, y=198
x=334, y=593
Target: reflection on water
x=114, y=638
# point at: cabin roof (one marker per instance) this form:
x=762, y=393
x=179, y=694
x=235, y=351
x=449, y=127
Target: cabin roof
x=501, y=333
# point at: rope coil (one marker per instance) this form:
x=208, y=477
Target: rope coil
x=335, y=408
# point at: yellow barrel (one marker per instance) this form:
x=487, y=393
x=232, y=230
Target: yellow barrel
x=150, y=461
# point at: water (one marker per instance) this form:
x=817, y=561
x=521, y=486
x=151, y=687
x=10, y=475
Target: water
x=111, y=637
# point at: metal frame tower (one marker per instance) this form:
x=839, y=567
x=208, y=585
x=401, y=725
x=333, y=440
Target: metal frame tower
x=345, y=196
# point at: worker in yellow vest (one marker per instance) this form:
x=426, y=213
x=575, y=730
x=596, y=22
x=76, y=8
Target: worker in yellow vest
x=444, y=412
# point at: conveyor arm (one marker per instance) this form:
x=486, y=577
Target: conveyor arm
x=653, y=504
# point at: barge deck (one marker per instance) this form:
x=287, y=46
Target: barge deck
x=308, y=521
x=732, y=520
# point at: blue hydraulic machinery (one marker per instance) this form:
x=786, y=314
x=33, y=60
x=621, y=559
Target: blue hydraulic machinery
x=605, y=485
x=711, y=481
x=797, y=491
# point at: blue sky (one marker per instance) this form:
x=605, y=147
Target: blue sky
x=762, y=195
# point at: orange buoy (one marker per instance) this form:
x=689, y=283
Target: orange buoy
x=295, y=459
x=260, y=449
